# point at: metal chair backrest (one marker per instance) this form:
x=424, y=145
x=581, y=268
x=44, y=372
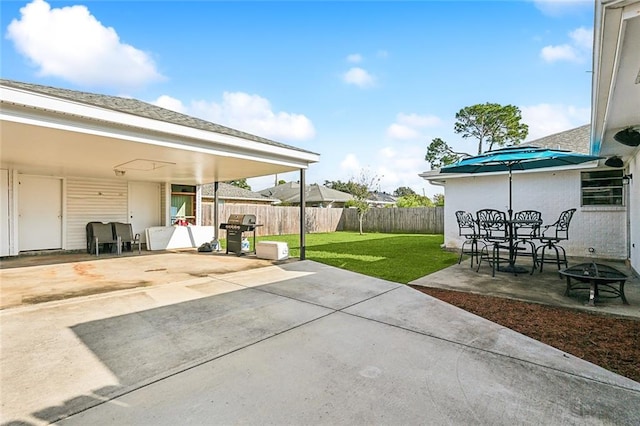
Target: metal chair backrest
x=466, y=224
x=493, y=224
x=103, y=231
x=124, y=231
x=527, y=223
x=561, y=226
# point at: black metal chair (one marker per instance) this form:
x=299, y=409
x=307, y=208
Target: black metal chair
x=550, y=238
x=100, y=233
x=526, y=228
x=493, y=227
x=124, y=232
x=468, y=228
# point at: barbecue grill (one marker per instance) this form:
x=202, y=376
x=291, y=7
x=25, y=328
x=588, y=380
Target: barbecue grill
x=235, y=226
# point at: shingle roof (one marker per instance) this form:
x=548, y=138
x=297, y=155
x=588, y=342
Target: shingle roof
x=232, y=192
x=290, y=193
x=141, y=109
x=576, y=140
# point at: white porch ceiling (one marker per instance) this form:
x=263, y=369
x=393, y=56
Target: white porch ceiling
x=44, y=142
x=617, y=92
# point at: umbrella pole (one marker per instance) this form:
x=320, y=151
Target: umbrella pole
x=510, y=196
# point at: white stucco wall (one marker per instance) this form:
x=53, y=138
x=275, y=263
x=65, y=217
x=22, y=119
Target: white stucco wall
x=551, y=192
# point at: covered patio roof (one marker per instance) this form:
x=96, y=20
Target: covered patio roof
x=616, y=79
x=61, y=132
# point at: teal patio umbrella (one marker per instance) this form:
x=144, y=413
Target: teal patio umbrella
x=517, y=158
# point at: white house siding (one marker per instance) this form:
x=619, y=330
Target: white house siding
x=90, y=200
x=602, y=229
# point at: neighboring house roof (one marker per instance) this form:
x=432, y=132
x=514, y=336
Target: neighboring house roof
x=231, y=192
x=376, y=197
x=290, y=193
x=576, y=140
x=140, y=108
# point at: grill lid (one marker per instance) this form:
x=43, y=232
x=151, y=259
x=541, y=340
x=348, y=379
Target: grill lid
x=242, y=219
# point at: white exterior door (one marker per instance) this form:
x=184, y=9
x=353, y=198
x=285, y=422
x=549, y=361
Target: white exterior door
x=144, y=206
x=4, y=212
x=39, y=213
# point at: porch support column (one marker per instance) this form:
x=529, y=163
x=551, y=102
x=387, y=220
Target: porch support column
x=215, y=211
x=303, y=205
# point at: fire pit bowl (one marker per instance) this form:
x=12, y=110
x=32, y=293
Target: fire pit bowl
x=600, y=278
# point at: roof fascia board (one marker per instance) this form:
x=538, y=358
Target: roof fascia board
x=120, y=119
x=165, y=142
x=609, y=22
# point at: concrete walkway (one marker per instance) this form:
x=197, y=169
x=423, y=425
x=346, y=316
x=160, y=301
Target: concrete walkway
x=297, y=343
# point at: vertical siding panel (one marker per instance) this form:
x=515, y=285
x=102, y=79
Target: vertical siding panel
x=91, y=200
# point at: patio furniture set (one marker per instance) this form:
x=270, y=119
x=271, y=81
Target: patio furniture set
x=110, y=235
x=490, y=234
x=498, y=238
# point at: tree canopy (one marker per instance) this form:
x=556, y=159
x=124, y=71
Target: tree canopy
x=414, y=200
x=492, y=125
x=356, y=189
x=403, y=191
x=240, y=183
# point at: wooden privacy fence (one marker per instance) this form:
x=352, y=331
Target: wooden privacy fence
x=277, y=220
x=281, y=220
x=411, y=220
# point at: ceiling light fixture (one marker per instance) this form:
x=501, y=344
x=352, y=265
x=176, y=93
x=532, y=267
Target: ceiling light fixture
x=614, y=161
x=628, y=136
x=119, y=172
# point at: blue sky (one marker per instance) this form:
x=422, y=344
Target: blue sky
x=367, y=85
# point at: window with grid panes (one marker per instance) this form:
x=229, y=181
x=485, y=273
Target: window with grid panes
x=602, y=188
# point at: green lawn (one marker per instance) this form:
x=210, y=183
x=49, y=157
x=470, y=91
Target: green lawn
x=395, y=257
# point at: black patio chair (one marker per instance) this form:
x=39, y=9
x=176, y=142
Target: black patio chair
x=526, y=228
x=124, y=231
x=494, y=228
x=100, y=233
x=468, y=228
x=550, y=238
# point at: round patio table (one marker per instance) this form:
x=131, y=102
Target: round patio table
x=600, y=278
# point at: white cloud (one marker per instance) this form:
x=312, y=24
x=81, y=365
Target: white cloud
x=354, y=58
x=416, y=120
x=168, y=102
x=562, y=52
x=249, y=113
x=351, y=164
x=578, y=50
x=358, y=77
x=582, y=38
x=556, y=8
x=407, y=126
x=402, y=132
x=72, y=44
x=401, y=167
x=547, y=119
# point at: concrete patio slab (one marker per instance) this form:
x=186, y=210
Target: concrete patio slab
x=326, y=287
x=220, y=348
x=343, y=369
x=547, y=288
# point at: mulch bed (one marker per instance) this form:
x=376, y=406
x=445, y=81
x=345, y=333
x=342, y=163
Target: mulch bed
x=608, y=341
